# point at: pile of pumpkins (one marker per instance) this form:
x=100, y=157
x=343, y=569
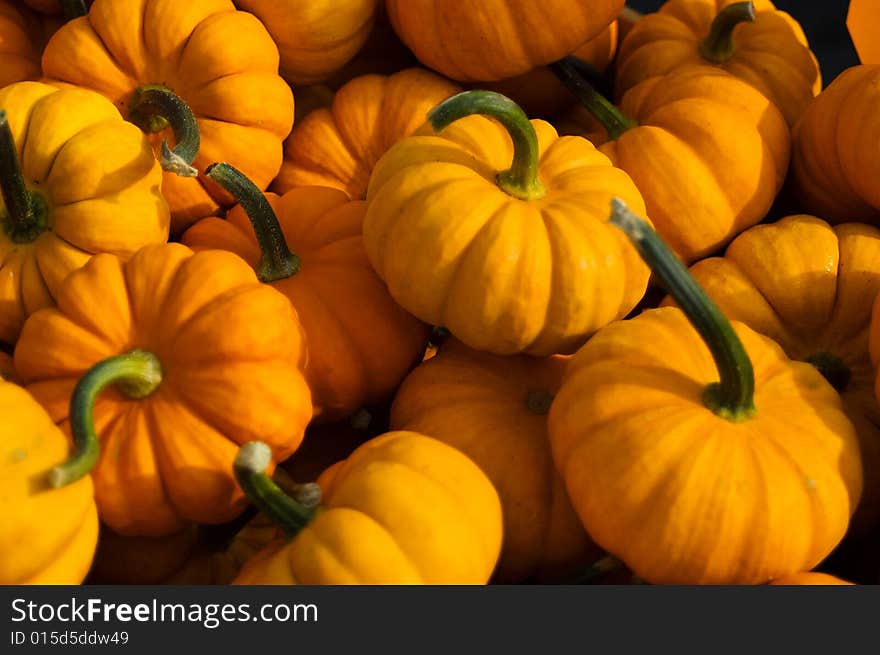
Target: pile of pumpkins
x=414, y=327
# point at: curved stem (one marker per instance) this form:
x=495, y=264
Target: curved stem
x=153, y=108
x=610, y=117
x=73, y=9
x=521, y=179
x=276, y=261
x=26, y=215
x=136, y=374
x=250, y=467
x=717, y=47
x=733, y=397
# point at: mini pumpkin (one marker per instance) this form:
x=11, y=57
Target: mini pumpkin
x=694, y=450
x=21, y=57
x=200, y=356
x=834, y=166
x=68, y=162
x=47, y=536
x=402, y=509
x=708, y=151
x=509, y=258
x=220, y=62
x=361, y=343
x=811, y=578
x=493, y=409
x=315, y=39
x=752, y=40
x=496, y=39
x=810, y=287
x=338, y=146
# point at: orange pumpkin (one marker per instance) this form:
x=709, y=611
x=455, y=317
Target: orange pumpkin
x=21, y=58
x=202, y=357
x=708, y=152
x=315, y=37
x=338, y=146
x=361, y=343
x=752, y=40
x=221, y=62
x=694, y=450
x=861, y=18
x=493, y=409
x=834, y=166
x=402, y=509
x=509, y=258
x=495, y=39
x=810, y=288
x=811, y=578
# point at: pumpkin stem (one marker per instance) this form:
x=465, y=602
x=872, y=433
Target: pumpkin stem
x=610, y=117
x=25, y=216
x=596, y=570
x=521, y=179
x=153, y=108
x=136, y=374
x=733, y=397
x=717, y=47
x=73, y=9
x=292, y=514
x=276, y=262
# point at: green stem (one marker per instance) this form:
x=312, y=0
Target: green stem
x=136, y=374
x=250, y=465
x=276, y=261
x=521, y=179
x=596, y=570
x=733, y=397
x=153, y=108
x=718, y=47
x=73, y=9
x=25, y=216
x=610, y=117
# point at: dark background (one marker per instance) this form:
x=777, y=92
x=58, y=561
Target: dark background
x=824, y=22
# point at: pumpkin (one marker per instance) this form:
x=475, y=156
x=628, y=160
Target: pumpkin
x=339, y=145
x=752, y=40
x=201, y=357
x=509, y=258
x=708, y=152
x=810, y=288
x=47, y=535
x=694, y=450
x=221, y=62
x=21, y=59
x=811, y=578
x=67, y=163
x=496, y=39
x=361, y=343
x=834, y=167
x=315, y=39
x=493, y=409
x=402, y=509
x=539, y=92
x=861, y=17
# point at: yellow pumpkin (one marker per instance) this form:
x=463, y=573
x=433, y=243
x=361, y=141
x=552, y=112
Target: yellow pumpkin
x=509, y=258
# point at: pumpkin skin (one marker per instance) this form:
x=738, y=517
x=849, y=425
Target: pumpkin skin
x=315, y=39
x=810, y=288
x=59, y=135
x=834, y=168
x=47, y=535
x=730, y=146
x=682, y=495
x=231, y=351
x=244, y=109
x=361, y=343
x=338, y=146
x=496, y=39
x=493, y=409
x=402, y=509
x=811, y=578
x=772, y=53
x=21, y=59
x=503, y=274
